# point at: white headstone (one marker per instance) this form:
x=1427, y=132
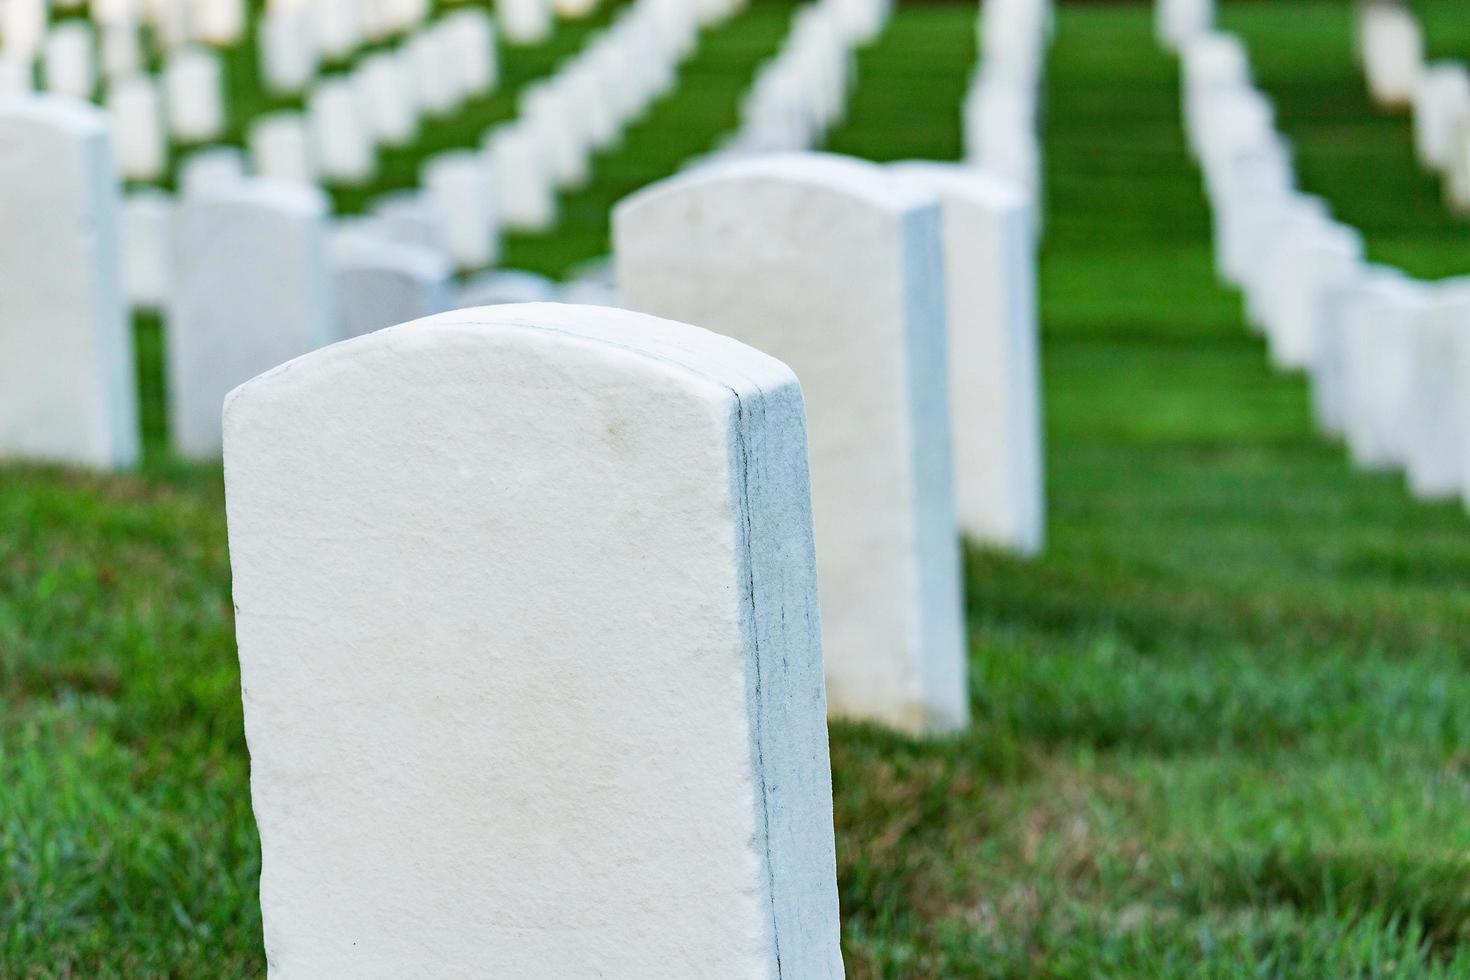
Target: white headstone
x=379, y=282
x=385, y=98
x=194, y=94
x=529, y=650
x=67, y=389
x=1177, y=21
x=122, y=50
x=23, y=28
x=524, y=186
x=836, y=267
x=252, y=290
x=341, y=140
x=1441, y=105
x=70, y=60
x=547, y=113
x=280, y=148
x=212, y=168
x=287, y=48
x=505, y=286
x=468, y=43
x=339, y=27
x=525, y=22
x=1436, y=454
x=147, y=248
x=135, y=112
x=1381, y=332
x=994, y=370
x=458, y=184
x=411, y=217
x=16, y=75
x=1392, y=52
x=221, y=22
x=432, y=76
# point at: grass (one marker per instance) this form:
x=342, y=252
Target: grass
x=1222, y=729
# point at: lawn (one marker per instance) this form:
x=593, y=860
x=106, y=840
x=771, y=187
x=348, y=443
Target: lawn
x=1221, y=729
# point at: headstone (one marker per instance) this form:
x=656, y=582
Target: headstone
x=23, y=26
x=505, y=286
x=432, y=77
x=524, y=187
x=411, y=217
x=525, y=22
x=147, y=248
x=70, y=60
x=221, y=22
x=122, y=50
x=1177, y=21
x=280, y=148
x=546, y=573
x=1380, y=334
x=836, y=267
x=212, y=168
x=1322, y=256
x=16, y=76
x=339, y=28
x=341, y=142
x=458, y=184
x=67, y=392
x=194, y=94
x=1392, y=52
x=1441, y=105
x=1438, y=451
x=287, y=48
x=385, y=98
x=549, y=116
x=252, y=290
x=379, y=283
x=135, y=112
x=468, y=41
x=994, y=373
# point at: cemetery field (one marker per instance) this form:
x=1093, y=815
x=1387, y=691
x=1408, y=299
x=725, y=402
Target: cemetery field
x=1221, y=728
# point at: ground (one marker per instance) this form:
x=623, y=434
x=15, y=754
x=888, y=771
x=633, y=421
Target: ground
x=1221, y=729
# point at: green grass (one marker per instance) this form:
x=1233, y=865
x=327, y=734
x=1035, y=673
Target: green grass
x=1222, y=729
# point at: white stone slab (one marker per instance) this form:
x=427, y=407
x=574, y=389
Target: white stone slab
x=341, y=141
x=529, y=650
x=135, y=113
x=1392, y=50
x=212, y=168
x=1441, y=106
x=411, y=217
x=23, y=26
x=458, y=184
x=837, y=268
x=147, y=248
x=221, y=22
x=505, y=286
x=546, y=111
x=385, y=98
x=1380, y=335
x=994, y=360
x=287, y=48
x=339, y=28
x=70, y=56
x=525, y=22
x=525, y=189
x=1435, y=431
x=121, y=50
x=252, y=290
x=432, y=76
x=1177, y=21
x=280, y=148
x=16, y=76
x=67, y=391
x=193, y=83
x=468, y=43
x=379, y=283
